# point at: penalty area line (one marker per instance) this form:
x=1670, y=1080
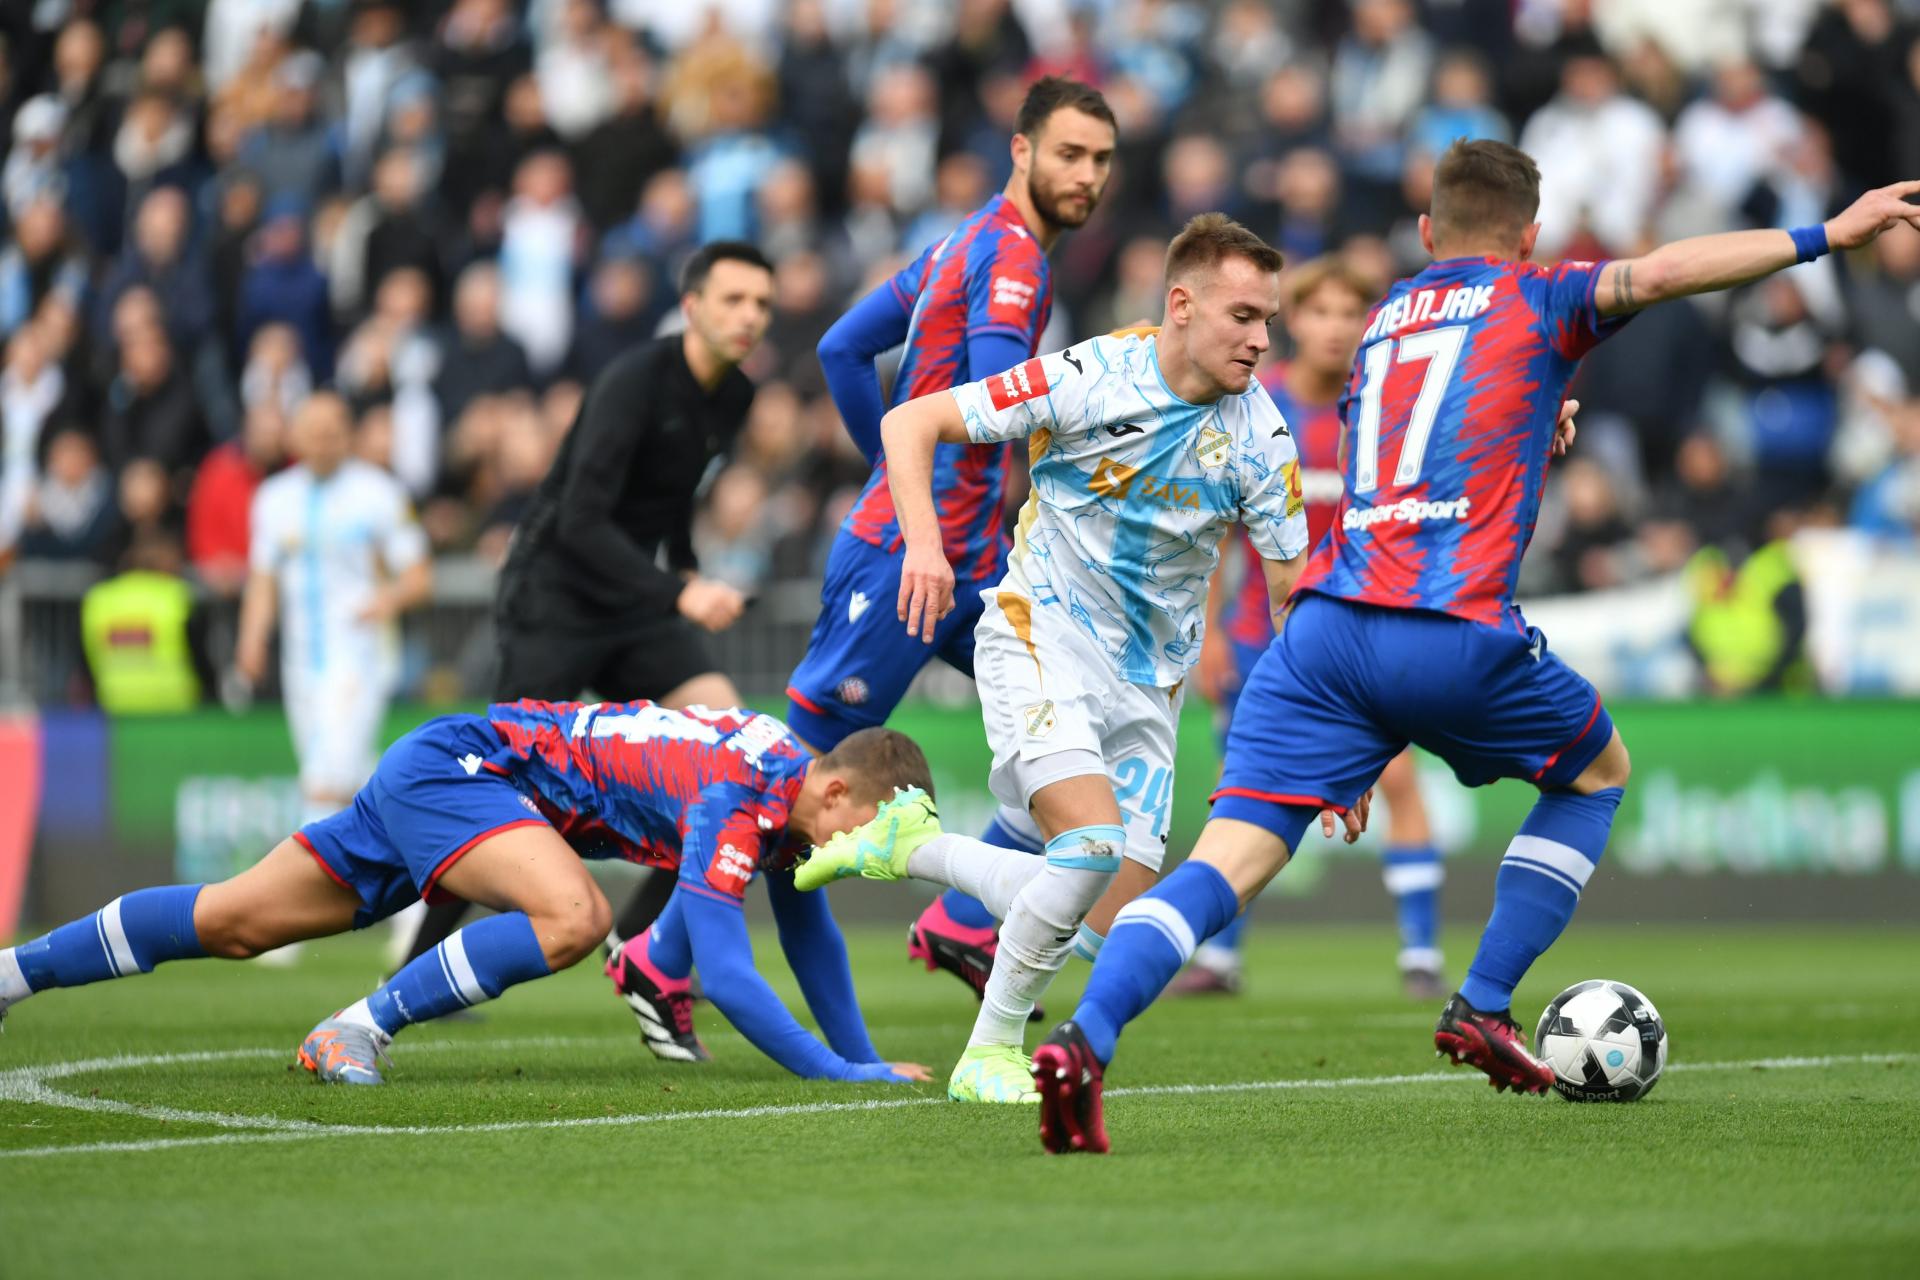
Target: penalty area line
x=25, y=1085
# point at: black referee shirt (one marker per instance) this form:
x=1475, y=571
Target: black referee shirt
x=622, y=490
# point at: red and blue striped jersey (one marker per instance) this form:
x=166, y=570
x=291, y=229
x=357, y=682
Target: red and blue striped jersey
x=702, y=791
x=989, y=276
x=1316, y=434
x=1449, y=415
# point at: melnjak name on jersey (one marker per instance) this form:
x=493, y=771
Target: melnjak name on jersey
x=1405, y=511
x=1461, y=302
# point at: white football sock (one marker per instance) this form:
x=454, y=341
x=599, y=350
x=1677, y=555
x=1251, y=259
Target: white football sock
x=360, y=1015
x=1038, y=931
x=1217, y=959
x=13, y=983
x=988, y=872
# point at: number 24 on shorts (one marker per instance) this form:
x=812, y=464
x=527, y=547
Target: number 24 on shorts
x=1153, y=787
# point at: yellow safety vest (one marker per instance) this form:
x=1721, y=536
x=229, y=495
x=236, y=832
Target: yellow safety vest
x=1735, y=629
x=134, y=628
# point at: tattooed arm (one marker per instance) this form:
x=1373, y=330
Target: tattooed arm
x=1703, y=264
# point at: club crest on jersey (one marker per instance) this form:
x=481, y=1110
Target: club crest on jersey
x=1213, y=447
x=1022, y=382
x=1040, y=719
x=852, y=691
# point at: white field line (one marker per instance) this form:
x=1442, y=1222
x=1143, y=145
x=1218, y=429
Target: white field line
x=26, y=1084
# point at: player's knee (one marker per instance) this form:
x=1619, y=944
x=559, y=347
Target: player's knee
x=231, y=936
x=570, y=929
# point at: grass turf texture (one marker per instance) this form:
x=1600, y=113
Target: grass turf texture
x=1749, y=1171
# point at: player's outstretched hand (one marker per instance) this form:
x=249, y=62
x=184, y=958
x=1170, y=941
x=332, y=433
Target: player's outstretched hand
x=1878, y=210
x=926, y=590
x=910, y=1073
x=1354, y=819
x=1564, y=431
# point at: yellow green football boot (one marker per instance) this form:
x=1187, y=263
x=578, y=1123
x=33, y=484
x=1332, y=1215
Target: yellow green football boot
x=993, y=1073
x=877, y=850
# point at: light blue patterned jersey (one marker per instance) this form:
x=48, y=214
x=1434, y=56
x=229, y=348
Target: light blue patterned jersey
x=1133, y=488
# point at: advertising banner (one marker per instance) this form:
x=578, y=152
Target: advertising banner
x=1759, y=787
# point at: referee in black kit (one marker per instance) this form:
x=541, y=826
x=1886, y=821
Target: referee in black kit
x=600, y=591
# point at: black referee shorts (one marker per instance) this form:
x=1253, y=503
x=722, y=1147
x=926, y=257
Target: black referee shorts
x=559, y=659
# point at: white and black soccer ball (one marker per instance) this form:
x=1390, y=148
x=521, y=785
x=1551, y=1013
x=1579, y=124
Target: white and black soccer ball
x=1604, y=1040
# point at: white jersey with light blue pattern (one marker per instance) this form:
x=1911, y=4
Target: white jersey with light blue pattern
x=1133, y=489
x=329, y=543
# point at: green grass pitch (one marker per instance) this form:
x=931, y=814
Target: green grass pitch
x=544, y=1141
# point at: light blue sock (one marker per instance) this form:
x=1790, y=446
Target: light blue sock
x=1539, y=885
x=129, y=935
x=1413, y=874
x=1150, y=939
x=475, y=964
x=965, y=909
x=1087, y=943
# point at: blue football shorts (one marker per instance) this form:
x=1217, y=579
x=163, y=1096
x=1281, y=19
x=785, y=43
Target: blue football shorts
x=861, y=660
x=1347, y=686
x=435, y=794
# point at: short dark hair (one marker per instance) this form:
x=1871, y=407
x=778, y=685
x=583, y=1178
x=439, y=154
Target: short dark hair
x=1483, y=187
x=876, y=761
x=1049, y=94
x=694, y=275
x=1210, y=238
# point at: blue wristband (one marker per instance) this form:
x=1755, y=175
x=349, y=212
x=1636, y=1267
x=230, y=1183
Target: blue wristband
x=1809, y=242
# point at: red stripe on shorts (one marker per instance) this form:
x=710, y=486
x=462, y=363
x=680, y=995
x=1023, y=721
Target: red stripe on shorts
x=429, y=889
x=300, y=838
x=1275, y=797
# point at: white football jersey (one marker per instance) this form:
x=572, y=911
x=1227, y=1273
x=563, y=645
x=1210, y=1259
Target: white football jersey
x=329, y=544
x=1133, y=489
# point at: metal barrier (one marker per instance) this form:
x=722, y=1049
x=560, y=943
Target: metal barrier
x=449, y=644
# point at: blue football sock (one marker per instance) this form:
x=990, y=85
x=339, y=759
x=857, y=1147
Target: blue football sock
x=474, y=964
x=129, y=935
x=965, y=909
x=1537, y=889
x=1150, y=939
x=1413, y=874
x=669, y=947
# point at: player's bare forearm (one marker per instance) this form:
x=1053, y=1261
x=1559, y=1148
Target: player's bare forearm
x=1281, y=576
x=908, y=434
x=1698, y=264
x=413, y=585
x=1703, y=264
x=259, y=602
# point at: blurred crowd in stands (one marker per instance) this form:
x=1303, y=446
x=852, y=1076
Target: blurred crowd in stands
x=458, y=213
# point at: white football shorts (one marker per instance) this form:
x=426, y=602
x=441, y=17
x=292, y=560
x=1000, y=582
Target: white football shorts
x=1046, y=689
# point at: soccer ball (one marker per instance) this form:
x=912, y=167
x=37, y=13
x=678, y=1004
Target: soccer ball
x=1605, y=1042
